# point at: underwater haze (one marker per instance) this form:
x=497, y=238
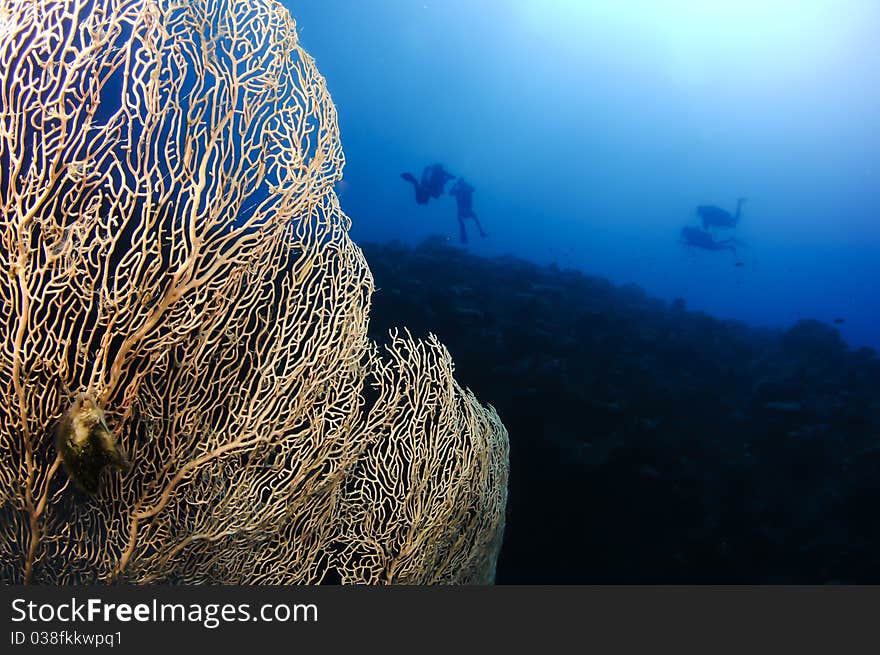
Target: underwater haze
x=688, y=392
x=592, y=131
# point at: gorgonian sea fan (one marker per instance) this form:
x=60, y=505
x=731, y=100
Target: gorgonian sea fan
x=189, y=391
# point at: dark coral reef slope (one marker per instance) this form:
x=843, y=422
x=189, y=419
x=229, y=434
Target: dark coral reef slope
x=649, y=443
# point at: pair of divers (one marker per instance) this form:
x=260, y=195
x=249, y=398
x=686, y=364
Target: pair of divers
x=431, y=185
x=712, y=216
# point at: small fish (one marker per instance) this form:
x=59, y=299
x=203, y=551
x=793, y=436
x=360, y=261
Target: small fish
x=838, y=321
x=739, y=264
x=86, y=444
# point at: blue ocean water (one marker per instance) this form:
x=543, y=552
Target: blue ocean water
x=592, y=130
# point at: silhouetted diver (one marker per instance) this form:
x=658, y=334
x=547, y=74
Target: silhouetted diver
x=434, y=178
x=464, y=193
x=694, y=236
x=712, y=215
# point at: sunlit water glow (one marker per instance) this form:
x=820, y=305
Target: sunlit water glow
x=593, y=129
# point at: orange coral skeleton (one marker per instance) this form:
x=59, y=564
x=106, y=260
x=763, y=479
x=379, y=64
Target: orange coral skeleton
x=173, y=251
